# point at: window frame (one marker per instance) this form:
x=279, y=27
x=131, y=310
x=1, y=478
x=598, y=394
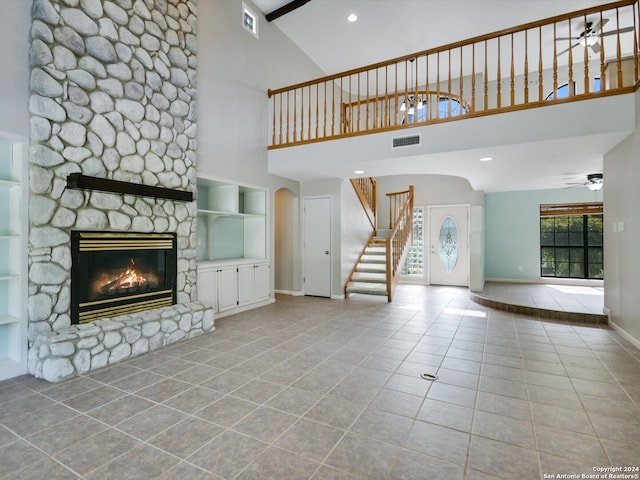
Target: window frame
x=571, y=248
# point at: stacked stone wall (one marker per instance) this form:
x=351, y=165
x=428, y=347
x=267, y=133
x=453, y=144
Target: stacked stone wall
x=113, y=95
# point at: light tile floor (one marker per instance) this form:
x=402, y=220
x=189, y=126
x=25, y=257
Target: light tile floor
x=322, y=389
x=562, y=298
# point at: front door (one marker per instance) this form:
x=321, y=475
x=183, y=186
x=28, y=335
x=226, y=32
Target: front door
x=317, y=246
x=449, y=245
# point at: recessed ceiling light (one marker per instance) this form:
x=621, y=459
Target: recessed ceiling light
x=359, y=172
x=352, y=18
x=486, y=159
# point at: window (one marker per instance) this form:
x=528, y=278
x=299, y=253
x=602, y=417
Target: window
x=597, y=85
x=414, y=263
x=563, y=91
x=249, y=20
x=449, y=107
x=571, y=241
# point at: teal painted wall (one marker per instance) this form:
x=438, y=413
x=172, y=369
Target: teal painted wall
x=512, y=230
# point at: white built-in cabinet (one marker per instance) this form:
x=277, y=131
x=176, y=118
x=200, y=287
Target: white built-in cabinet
x=233, y=267
x=13, y=261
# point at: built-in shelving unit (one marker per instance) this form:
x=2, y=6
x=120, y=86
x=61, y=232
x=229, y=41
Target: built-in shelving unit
x=233, y=266
x=13, y=263
x=232, y=221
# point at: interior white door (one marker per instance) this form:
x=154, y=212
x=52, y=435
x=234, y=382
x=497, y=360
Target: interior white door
x=317, y=246
x=449, y=245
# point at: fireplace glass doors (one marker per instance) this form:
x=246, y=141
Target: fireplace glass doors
x=116, y=273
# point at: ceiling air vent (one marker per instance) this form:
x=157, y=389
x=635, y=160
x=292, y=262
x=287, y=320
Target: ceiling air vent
x=399, y=142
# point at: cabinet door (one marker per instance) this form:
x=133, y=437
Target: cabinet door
x=246, y=284
x=262, y=282
x=208, y=288
x=227, y=288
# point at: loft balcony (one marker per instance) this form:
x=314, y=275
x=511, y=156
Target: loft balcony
x=564, y=60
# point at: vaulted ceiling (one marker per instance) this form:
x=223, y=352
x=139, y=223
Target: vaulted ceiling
x=387, y=29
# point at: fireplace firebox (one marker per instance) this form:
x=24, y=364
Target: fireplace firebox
x=115, y=273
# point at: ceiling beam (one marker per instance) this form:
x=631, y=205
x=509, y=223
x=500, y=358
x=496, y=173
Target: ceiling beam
x=283, y=10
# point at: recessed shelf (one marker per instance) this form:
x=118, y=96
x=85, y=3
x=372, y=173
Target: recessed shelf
x=9, y=183
x=6, y=319
x=13, y=261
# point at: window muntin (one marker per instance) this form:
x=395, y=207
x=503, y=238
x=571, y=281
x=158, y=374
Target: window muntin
x=571, y=246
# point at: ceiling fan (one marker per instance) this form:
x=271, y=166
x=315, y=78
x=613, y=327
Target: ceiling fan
x=595, y=181
x=591, y=34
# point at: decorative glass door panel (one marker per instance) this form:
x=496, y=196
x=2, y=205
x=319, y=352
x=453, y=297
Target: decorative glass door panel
x=449, y=244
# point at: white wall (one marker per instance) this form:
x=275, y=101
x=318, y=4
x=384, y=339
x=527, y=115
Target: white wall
x=15, y=25
x=355, y=229
x=235, y=70
x=622, y=251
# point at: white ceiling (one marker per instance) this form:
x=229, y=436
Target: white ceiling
x=391, y=28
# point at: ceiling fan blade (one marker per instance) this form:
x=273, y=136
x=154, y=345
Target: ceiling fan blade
x=564, y=38
x=614, y=32
x=566, y=50
x=595, y=47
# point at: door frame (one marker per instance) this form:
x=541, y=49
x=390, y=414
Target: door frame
x=428, y=249
x=303, y=241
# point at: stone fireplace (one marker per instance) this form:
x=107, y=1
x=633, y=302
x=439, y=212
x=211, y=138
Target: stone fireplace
x=113, y=97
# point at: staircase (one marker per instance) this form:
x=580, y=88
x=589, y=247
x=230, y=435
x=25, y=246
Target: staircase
x=378, y=268
x=370, y=275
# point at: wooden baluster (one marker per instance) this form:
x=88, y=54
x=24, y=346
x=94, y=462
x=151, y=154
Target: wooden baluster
x=427, y=100
x=302, y=114
x=438, y=87
x=473, y=77
x=343, y=119
x=280, y=124
x=486, y=77
x=324, y=114
x=288, y=119
x=498, y=79
x=366, y=117
x=555, y=63
x=386, y=112
x=376, y=110
x=461, y=84
x=636, y=47
x=396, y=113
x=513, y=76
x=273, y=133
x=526, y=66
x=449, y=84
x=586, y=63
x=603, y=73
x=359, y=103
x=405, y=114
x=540, y=78
x=570, y=62
x=317, y=109
x=619, y=50
x=415, y=92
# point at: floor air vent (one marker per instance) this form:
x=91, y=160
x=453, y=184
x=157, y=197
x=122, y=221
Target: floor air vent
x=399, y=142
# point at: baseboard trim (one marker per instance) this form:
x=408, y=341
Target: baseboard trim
x=289, y=292
x=626, y=335
x=550, y=281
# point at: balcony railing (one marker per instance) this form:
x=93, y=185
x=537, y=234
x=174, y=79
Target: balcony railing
x=584, y=54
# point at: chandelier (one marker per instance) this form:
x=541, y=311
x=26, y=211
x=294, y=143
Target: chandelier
x=412, y=102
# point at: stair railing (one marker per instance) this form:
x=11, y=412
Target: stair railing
x=401, y=225
x=367, y=190
x=512, y=69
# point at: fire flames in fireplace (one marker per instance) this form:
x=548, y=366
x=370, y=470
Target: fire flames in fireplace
x=130, y=280
x=117, y=273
